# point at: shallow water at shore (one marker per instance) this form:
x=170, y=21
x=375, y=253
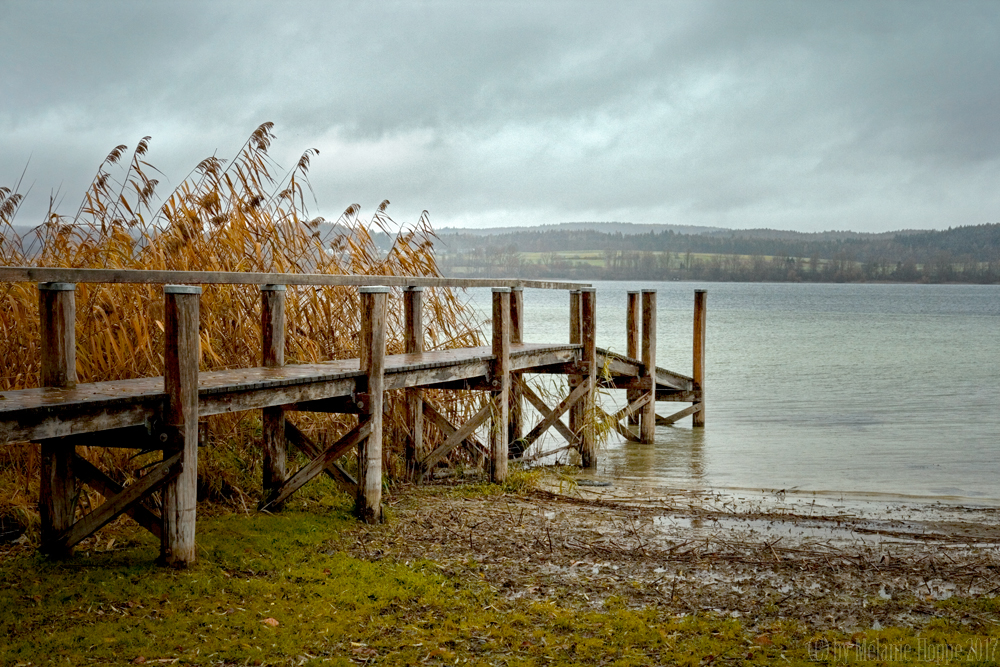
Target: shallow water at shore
x=840, y=391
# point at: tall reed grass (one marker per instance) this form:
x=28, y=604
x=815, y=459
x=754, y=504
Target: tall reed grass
x=225, y=216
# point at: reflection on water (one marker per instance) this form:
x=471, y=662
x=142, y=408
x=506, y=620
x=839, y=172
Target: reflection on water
x=833, y=389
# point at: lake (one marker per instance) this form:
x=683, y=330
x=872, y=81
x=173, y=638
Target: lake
x=838, y=390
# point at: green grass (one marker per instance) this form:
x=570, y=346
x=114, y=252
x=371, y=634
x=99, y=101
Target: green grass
x=280, y=589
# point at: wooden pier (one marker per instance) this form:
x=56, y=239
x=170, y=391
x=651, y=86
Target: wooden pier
x=162, y=413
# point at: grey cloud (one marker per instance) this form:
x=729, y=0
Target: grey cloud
x=805, y=115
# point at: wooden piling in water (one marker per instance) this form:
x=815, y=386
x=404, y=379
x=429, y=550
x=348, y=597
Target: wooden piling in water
x=700, y=313
x=414, y=344
x=575, y=338
x=500, y=381
x=633, y=326
x=272, y=325
x=588, y=337
x=372, y=362
x=516, y=430
x=647, y=419
x=58, y=485
x=180, y=380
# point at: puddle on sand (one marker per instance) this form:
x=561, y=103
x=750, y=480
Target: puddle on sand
x=772, y=529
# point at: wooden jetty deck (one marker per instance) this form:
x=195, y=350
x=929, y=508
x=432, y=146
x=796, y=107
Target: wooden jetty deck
x=162, y=413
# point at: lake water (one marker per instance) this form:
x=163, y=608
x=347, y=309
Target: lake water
x=839, y=390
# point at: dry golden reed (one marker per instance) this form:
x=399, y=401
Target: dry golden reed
x=226, y=216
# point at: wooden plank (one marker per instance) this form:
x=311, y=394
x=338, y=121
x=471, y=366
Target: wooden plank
x=309, y=471
x=578, y=393
x=700, y=312
x=516, y=419
x=57, y=491
x=632, y=329
x=575, y=337
x=372, y=363
x=671, y=380
x=438, y=419
x=413, y=331
x=456, y=438
x=544, y=410
x=163, y=473
x=647, y=418
x=500, y=376
x=272, y=328
x=341, y=405
x=30, y=274
x=542, y=455
x=673, y=396
x=588, y=322
x=95, y=478
x=333, y=469
x=181, y=354
x=677, y=416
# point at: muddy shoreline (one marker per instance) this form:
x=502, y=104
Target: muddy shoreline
x=831, y=565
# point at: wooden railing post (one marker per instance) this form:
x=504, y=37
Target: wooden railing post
x=414, y=333
x=632, y=329
x=516, y=430
x=575, y=420
x=588, y=331
x=500, y=381
x=647, y=421
x=180, y=380
x=272, y=326
x=58, y=487
x=369, y=501
x=700, y=305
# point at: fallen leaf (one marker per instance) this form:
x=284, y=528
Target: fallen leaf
x=273, y=622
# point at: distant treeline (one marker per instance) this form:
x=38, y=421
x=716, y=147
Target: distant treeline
x=961, y=254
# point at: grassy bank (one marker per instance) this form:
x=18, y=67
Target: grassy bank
x=295, y=589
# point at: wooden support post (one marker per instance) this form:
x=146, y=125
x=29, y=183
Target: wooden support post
x=58, y=489
x=632, y=328
x=369, y=501
x=588, y=331
x=180, y=380
x=500, y=379
x=516, y=430
x=272, y=327
x=575, y=419
x=647, y=420
x=700, y=305
x=414, y=333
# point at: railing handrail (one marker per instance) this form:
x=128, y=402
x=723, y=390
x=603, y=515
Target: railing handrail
x=43, y=274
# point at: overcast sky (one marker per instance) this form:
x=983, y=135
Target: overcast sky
x=869, y=116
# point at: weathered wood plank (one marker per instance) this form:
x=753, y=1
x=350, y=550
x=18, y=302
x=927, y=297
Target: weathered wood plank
x=163, y=473
x=515, y=418
x=30, y=274
x=677, y=416
x=272, y=327
x=576, y=338
x=588, y=321
x=333, y=469
x=632, y=329
x=578, y=393
x=544, y=410
x=700, y=312
x=500, y=376
x=456, y=438
x=413, y=331
x=674, y=396
x=180, y=381
x=647, y=418
x=95, y=478
x=369, y=499
x=435, y=416
x=309, y=471
x=57, y=491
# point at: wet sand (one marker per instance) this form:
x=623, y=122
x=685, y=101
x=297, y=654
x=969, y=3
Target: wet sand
x=826, y=562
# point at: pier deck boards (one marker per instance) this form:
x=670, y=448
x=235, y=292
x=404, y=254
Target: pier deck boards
x=162, y=413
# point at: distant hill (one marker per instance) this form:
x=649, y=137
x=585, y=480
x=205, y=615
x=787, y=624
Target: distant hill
x=624, y=228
